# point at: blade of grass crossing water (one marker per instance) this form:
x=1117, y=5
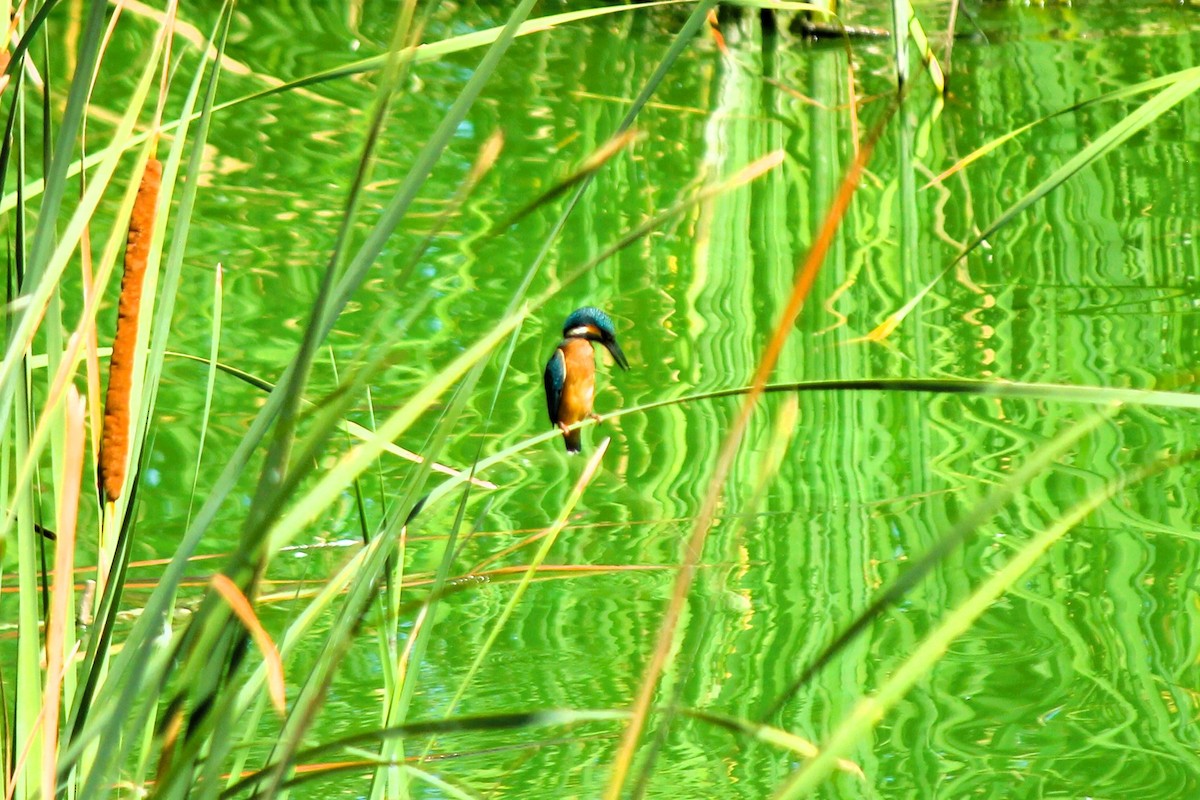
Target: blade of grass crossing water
x=1147, y=113
x=869, y=710
x=397, y=208
x=585, y=170
x=1053, y=392
x=1086, y=395
x=210, y=381
x=1184, y=86
x=779, y=443
x=695, y=22
x=1039, y=462
x=1116, y=94
x=767, y=734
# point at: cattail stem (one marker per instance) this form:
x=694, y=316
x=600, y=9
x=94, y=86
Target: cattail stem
x=114, y=442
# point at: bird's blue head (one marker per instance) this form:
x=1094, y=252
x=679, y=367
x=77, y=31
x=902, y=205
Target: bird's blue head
x=594, y=325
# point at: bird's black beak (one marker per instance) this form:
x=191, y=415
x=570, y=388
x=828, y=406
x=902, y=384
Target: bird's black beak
x=615, y=349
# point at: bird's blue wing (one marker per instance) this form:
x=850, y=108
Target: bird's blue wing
x=555, y=377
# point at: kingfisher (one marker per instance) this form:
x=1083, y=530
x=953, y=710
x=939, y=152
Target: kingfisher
x=570, y=375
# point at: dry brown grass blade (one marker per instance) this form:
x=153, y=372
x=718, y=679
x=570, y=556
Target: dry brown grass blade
x=242, y=607
x=714, y=30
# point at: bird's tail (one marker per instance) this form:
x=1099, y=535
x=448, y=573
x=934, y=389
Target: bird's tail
x=574, y=440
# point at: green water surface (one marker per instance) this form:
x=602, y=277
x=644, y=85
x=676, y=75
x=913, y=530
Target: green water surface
x=1081, y=682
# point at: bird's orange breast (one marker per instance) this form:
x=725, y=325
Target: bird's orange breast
x=579, y=388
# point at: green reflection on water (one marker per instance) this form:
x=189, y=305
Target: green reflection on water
x=1080, y=683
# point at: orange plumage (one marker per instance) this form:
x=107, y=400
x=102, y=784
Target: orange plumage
x=570, y=376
